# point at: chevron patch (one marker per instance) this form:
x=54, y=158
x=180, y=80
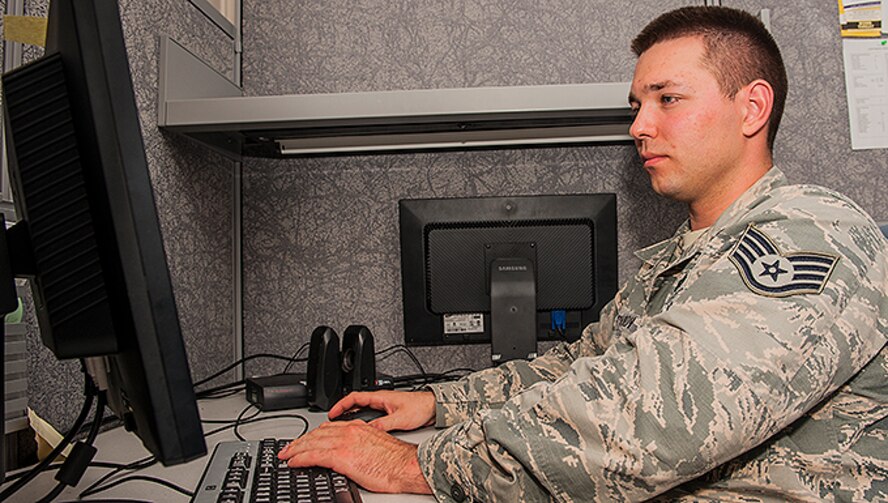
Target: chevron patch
x=767, y=271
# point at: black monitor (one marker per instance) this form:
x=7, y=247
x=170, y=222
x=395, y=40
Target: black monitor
x=506, y=270
x=87, y=233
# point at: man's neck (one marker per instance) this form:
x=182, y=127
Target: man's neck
x=705, y=212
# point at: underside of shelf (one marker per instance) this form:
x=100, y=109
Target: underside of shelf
x=198, y=102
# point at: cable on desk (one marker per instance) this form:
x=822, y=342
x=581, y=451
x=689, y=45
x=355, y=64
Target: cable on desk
x=54, y=493
x=430, y=378
x=81, y=455
x=240, y=417
x=97, y=487
x=135, y=465
x=389, y=349
x=222, y=394
x=402, y=349
x=259, y=419
x=295, y=357
x=146, y=478
x=94, y=464
x=90, y=391
x=411, y=379
x=424, y=377
x=220, y=391
x=283, y=416
x=444, y=376
x=226, y=390
x=417, y=381
x=225, y=394
x=219, y=430
x=240, y=362
x=232, y=421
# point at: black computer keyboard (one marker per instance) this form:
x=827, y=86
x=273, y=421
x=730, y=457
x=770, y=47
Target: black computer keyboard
x=241, y=472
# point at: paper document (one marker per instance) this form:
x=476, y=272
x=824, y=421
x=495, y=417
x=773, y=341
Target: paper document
x=866, y=82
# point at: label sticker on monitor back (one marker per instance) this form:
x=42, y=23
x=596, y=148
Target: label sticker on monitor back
x=464, y=323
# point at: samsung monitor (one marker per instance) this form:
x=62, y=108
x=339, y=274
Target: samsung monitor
x=87, y=233
x=506, y=270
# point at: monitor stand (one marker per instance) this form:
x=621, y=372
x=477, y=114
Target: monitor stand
x=512, y=310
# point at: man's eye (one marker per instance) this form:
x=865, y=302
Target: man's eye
x=633, y=110
x=668, y=100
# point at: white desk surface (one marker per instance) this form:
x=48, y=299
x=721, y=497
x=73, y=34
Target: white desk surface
x=119, y=446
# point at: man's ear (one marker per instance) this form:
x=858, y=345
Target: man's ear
x=758, y=100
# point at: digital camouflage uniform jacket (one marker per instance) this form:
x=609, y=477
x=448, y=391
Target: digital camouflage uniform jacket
x=751, y=367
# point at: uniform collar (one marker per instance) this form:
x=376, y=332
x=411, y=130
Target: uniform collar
x=660, y=251
x=754, y=195
x=749, y=200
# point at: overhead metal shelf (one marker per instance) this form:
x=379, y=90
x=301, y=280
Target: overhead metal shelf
x=197, y=101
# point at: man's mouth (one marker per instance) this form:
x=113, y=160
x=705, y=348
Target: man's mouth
x=652, y=160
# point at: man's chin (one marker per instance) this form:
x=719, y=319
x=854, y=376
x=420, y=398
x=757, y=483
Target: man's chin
x=666, y=190
x=660, y=188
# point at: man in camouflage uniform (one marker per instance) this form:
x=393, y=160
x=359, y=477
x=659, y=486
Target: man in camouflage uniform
x=745, y=361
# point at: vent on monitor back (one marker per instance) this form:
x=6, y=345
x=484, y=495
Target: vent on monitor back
x=73, y=289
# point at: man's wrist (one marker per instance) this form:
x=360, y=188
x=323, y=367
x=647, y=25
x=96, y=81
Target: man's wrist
x=413, y=481
x=431, y=406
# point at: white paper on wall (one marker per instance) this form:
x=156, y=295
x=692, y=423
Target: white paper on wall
x=866, y=83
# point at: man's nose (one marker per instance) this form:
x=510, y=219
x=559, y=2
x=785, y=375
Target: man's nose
x=642, y=126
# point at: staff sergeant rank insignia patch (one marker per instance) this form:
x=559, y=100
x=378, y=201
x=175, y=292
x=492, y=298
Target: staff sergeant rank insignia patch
x=767, y=271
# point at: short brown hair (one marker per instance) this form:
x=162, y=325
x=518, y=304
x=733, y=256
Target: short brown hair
x=739, y=49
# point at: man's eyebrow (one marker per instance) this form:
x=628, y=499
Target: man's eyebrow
x=655, y=86
x=659, y=86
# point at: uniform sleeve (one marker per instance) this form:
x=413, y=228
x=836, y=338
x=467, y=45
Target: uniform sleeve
x=490, y=388
x=718, y=372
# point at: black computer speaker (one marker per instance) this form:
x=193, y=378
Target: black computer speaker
x=324, y=373
x=358, y=359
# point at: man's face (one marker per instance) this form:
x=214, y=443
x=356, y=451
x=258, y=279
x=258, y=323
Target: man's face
x=687, y=132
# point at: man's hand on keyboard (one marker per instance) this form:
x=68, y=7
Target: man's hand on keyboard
x=405, y=411
x=369, y=456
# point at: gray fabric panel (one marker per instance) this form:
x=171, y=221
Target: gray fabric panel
x=321, y=239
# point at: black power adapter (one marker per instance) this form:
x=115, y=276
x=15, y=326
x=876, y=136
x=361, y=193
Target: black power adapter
x=277, y=392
